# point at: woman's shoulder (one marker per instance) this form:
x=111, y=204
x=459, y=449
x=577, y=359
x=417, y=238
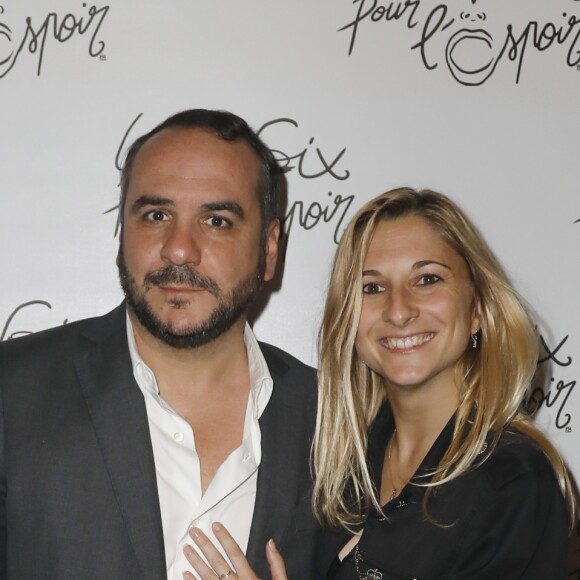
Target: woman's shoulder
x=515, y=457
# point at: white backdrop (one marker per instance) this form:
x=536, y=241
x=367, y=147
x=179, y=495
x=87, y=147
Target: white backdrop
x=475, y=98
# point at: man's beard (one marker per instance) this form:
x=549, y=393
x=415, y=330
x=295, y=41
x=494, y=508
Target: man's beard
x=229, y=309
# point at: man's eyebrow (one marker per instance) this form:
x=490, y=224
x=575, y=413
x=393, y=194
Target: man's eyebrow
x=230, y=206
x=146, y=200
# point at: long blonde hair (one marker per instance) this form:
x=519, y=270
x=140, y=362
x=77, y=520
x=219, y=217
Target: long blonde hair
x=494, y=377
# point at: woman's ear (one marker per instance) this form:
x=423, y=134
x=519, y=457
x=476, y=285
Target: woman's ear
x=476, y=316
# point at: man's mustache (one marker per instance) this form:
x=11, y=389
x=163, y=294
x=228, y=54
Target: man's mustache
x=184, y=276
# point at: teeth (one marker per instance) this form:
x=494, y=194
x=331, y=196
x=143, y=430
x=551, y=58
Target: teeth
x=408, y=342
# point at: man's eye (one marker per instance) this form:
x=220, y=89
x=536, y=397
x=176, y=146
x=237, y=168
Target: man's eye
x=156, y=216
x=372, y=288
x=428, y=279
x=218, y=222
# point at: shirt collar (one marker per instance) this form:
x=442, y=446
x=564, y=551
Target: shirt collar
x=260, y=378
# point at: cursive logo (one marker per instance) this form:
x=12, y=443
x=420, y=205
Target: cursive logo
x=119, y=166
x=321, y=166
x=468, y=36
x=310, y=163
x=8, y=331
x=557, y=393
x=31, y=36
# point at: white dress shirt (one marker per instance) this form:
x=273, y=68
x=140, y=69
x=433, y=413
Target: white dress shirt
x=231, y=494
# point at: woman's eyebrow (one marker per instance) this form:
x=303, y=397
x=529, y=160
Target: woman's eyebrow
x=423, y=263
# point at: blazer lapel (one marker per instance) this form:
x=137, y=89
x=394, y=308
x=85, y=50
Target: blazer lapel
x=118, y=413
x=284, y=428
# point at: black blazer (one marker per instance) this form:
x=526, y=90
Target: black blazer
x=78, y=492
x=503, y=520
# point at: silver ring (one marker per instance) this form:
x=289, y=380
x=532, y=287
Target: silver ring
x=221, y=576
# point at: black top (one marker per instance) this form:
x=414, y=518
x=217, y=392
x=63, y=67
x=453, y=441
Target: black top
x=502, y=520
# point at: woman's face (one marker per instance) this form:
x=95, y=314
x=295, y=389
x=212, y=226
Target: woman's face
x=418, y=310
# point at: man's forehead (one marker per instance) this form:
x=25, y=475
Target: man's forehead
x=195, y=150
x=195, y=158
x=195, y=141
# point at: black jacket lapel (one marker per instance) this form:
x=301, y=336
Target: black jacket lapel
x=118, y=413
x=284, y=481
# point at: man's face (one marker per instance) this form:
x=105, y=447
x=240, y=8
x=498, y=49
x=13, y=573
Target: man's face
x=190, y=260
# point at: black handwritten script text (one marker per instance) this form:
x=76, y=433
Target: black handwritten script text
x=11, y=328
x=557, y=394
x=119, y=166
x=310, y=162
x=467, y=35
x=31, y=35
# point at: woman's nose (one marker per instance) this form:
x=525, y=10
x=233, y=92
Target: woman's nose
x=400, y=307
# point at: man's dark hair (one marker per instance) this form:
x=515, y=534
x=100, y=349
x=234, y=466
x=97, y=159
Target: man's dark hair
x=228, y=127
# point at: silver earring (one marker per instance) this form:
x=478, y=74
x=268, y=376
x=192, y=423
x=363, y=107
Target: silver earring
x=474, y=340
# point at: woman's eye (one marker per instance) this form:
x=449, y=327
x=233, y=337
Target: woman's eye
x=372, y=288
x=428, y=279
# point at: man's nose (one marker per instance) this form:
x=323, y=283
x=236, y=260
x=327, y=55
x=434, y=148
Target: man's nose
x=182, y=244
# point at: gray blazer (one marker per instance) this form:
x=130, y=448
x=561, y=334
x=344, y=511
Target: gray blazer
x=78, y=492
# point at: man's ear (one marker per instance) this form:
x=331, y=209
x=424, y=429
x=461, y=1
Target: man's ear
x=120, y=248
x=272, y=240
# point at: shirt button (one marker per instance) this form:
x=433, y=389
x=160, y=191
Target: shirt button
x=246, y=457
x=178, y=436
